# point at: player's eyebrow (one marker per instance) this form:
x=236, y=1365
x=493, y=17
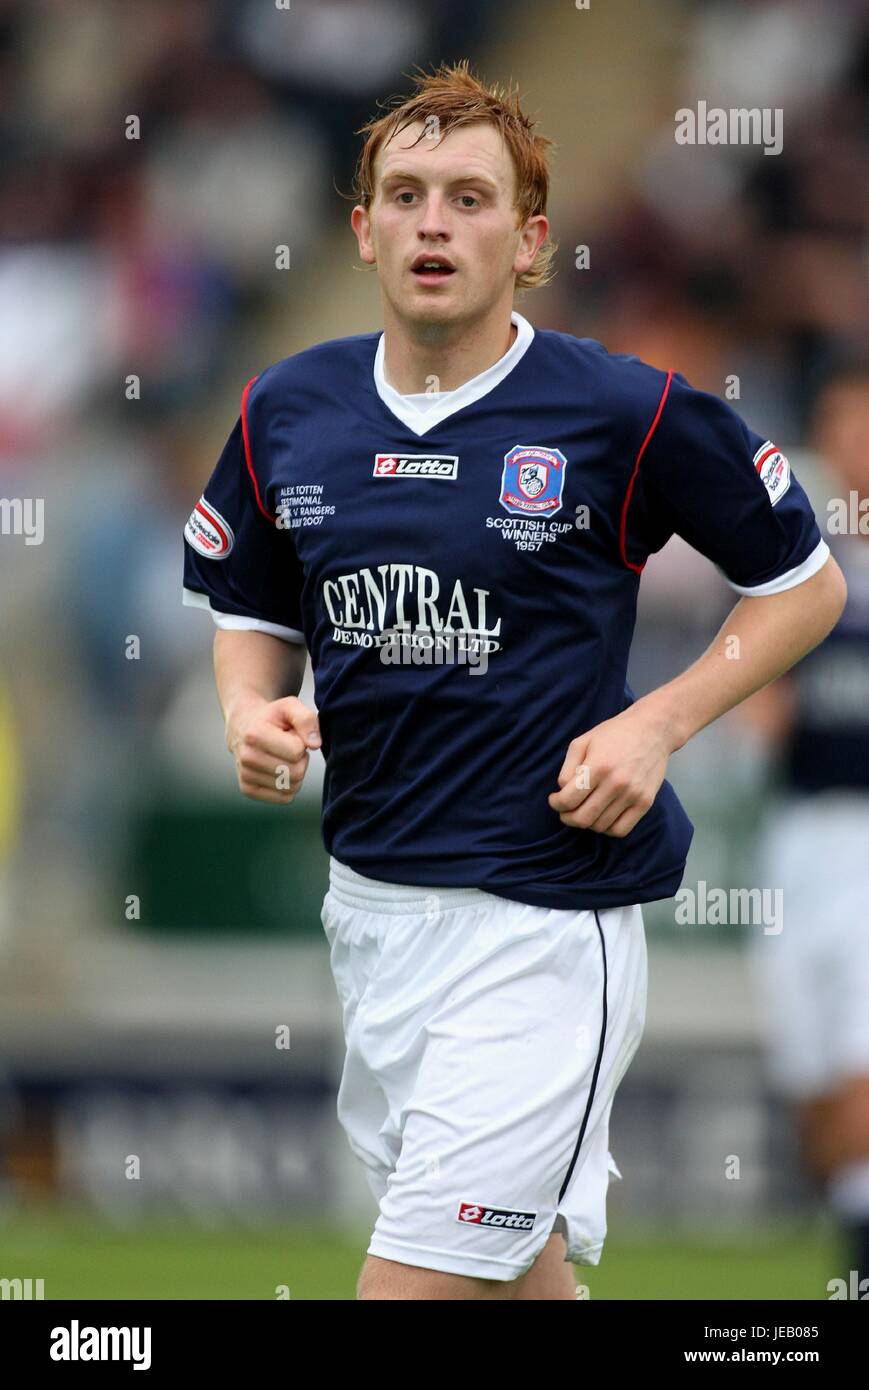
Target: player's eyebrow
x=403, y=176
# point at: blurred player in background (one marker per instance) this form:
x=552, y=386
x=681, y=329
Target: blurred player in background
x=463, y=495
x=814, y=975
x=10, y=777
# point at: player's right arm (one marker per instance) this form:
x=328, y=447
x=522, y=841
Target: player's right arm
x=244, y=570
x=268, y=730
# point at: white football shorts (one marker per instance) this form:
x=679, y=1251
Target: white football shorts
x=813, y=975
x=485, y=1042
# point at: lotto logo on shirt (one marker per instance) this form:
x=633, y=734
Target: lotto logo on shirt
x=416, y=466
x=473, y=1215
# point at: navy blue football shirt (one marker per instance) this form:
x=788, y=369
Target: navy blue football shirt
x=465, y=581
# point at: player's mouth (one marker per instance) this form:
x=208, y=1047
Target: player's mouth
x=430, y=270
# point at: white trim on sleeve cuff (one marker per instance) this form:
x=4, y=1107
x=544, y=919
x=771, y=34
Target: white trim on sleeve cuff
x=791, y=578
x=234, y=622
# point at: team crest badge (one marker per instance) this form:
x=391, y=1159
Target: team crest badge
x=532, y=481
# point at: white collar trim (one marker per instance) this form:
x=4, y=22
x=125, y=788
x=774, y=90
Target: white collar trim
x=421, y=421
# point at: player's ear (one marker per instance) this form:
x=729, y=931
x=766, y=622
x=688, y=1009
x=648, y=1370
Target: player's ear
x=532, y=235
x=360, y=221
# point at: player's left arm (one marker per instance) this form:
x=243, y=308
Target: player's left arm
x=611, y=775
x=731, y=494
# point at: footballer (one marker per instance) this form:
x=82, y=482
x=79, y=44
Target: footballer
x=463, y=481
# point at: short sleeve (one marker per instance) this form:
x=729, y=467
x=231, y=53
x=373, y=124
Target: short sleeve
x=702, y=474
x=237, y=563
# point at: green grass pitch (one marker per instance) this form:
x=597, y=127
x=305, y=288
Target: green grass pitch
x=77, y=1257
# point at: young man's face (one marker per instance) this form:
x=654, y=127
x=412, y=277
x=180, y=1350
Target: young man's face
x=452, y=200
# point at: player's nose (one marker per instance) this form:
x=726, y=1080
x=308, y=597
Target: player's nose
x=433, y=221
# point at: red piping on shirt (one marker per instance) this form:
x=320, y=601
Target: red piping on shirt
x=259, y=501
x=638, y=569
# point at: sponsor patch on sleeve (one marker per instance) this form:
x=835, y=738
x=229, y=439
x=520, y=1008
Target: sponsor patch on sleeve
x=773, y=470
x=208, y=532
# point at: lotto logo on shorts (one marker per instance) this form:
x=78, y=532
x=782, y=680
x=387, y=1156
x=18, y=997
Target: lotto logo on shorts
x=471, y=1214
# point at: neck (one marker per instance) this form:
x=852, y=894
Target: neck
x=414, y=353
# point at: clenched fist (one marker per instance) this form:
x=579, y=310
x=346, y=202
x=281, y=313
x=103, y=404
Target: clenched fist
x=269, y=740
x=611, y=774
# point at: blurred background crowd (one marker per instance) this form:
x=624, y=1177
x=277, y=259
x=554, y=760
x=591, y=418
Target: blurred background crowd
x=154, y=158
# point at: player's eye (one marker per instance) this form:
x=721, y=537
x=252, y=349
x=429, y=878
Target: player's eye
x=468, y=198
x=405, y=193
